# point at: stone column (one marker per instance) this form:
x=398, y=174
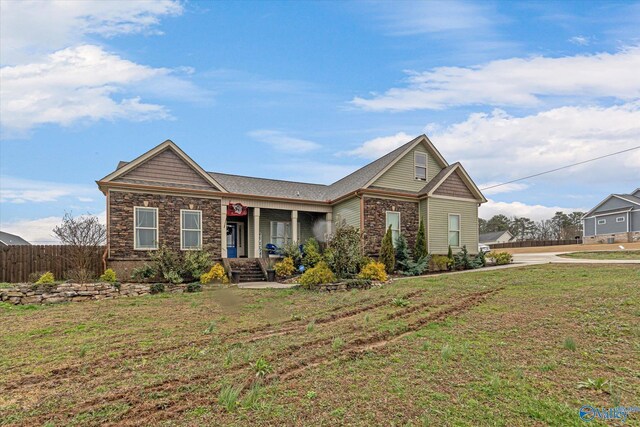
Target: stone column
x=329, y=219
x=294, y=226
x=223, y=229
x=256, y=232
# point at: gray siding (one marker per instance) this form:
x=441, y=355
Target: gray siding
x=634, y=221
x=589, y=227
x=611, y=226
x=401, y=176
x=348, y=210
x=613, y=203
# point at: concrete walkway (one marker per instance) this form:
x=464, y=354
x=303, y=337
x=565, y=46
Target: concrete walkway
x=266, y=285
x=553, y=258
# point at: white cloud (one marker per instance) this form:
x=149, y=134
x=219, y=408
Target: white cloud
x=81, y=83
x=515, y=82
x=378, y=147
x=498, y=147
x=505, y=188
x=32, y=28
x=580, y=40
x=16, y=190
x=40, y=230
x=283, y=142
x=534, y=212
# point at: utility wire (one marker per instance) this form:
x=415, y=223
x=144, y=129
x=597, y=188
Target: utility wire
x=560, y=168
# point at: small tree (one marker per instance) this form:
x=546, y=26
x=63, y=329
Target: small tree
x=420, y=250
x=403, y=254
x=84, y=235
x=387, y=256
x=312, y=254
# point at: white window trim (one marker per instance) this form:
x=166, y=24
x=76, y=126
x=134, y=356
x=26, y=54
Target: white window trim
x=602, y=221
x=182, y=248
x=459, y=230
x=135, y=228
x=620, y=219
x=415, y=165
x=386, y=214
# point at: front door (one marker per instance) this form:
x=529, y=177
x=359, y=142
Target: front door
x=232, y=240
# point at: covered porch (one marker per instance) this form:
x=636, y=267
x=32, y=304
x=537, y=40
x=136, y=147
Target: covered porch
x=248, y=228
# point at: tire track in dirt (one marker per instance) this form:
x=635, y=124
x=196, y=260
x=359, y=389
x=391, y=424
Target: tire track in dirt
x=362, y=345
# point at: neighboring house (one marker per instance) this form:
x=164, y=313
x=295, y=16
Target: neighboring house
x=164, y=197
x=7, y=239
x=496, y=237
x=614, y=220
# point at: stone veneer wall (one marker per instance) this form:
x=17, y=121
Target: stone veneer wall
x=375, y=221
x=630, y=237
x=76, y=292
x=123, y=258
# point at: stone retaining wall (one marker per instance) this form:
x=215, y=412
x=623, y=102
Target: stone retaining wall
x=346, y=286
x=27, y=293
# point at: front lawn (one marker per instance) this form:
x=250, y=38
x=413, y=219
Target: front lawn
x=604, y=255
x=520, y=346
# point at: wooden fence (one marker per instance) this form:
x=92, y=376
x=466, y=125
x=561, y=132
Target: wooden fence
x=18, y=262
x=533, y=243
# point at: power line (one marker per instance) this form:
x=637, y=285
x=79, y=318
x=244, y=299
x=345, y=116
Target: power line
x=560, y=168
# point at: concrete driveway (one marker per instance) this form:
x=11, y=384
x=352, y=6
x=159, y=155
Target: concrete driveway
x=552, y=257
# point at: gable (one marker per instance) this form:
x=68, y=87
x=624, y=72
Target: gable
x=401, y=175
x=612, y=203
x=166, y=169
x=454, y=186
x=636, y=193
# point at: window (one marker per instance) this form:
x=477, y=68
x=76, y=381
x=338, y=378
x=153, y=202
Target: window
x=146, y=228
x=420, y=163
x=620, y=219
x=454, y=230
x=602, y=221
x=393, y=220
x=190, y=230
x=281, y=233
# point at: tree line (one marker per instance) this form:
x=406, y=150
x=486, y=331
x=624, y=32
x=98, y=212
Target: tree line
x=561, y=226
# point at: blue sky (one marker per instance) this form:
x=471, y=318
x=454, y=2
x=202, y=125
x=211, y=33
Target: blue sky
x=310, y=91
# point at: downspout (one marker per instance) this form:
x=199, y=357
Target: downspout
x=106, y=248
x=362, y=232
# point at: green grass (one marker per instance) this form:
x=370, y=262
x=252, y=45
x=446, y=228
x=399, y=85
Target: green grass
x=550, y=339
x=607, y=255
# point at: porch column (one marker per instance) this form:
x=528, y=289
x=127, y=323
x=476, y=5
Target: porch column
x=256, y=232
x=294, y=226
x=223, y=230
x=329, y=220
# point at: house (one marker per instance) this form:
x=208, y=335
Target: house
x=163, y=197
x=7, y=239
x=614, y=220
x=496, y=237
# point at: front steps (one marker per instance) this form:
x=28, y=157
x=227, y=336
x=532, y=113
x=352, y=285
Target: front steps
x=249, y=269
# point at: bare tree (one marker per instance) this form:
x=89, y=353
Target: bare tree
x=84, y=235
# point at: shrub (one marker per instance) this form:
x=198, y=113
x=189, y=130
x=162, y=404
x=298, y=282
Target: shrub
x=81, y=275
x=452, y=261
x=33, y=277
x=173, y=277
x=312, y=254
x=143, y=272
x=439, y=263
x=194, y=287
x=46, y=279
x=167, y=263
x=480, y=260
x=285, y=267
x=500, y=258
x=357, y=283
x=292, y=250
x=462, y=261
x=216, y=275
x=156, y=288
x=195, y=264
x=404, y=262
x=420, y=250
x=344, y=255
x=374, y=271
x=317, y=275
x=83, y=237
x=387, y=255
x=109, y=276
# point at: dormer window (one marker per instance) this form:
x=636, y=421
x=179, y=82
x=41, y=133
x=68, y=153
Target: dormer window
x=420, y=163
